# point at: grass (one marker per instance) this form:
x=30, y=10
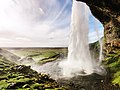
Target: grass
x=40, y=55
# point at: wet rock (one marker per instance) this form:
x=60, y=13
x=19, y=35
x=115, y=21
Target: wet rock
x=88, y=82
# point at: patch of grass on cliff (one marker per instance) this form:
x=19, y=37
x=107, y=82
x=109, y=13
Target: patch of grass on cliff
x=51, y=58
x=113, y=62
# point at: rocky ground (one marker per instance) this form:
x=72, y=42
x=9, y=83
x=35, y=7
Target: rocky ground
x=89, y=82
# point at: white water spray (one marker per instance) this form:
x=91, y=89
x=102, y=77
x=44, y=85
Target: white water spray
x=79, y=59
x=100, y=41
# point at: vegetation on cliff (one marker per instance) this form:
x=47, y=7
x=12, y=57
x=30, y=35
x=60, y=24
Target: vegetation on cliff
x=112, y=62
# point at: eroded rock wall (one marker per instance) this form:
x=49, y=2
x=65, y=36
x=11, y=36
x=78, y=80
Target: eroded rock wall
x=108, y=13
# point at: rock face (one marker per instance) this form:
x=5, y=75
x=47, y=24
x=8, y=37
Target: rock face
x=108, y=12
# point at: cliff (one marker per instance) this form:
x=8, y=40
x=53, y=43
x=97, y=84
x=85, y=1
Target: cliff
x=108, y=13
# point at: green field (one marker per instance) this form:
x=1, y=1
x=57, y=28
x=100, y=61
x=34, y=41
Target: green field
x=39, y=55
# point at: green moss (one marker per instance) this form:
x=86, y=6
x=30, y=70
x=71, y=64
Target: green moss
x=48, y=54
x=38, y=86
x=3, y=84
x=21, y=77
x=26, y=86
x=117, y=74
x=24, y=89
x=113, y=62
x=49, y=59
x=46, y=60
x=115, y=65
x=15, y=80
x=3, y=77
x=116, y=80
x=56, y=89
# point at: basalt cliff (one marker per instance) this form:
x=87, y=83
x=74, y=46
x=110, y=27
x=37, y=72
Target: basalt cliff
x=108, y=13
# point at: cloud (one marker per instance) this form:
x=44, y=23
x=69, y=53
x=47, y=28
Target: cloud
x=34, y=22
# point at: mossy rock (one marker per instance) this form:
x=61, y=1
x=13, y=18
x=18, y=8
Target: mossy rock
x=112, y=61
x=21, y=77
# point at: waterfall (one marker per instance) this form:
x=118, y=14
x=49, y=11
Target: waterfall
x=79, y=60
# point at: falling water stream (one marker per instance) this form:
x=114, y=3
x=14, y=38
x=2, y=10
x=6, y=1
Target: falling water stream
x=79, y=59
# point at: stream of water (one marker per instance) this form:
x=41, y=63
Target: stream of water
x=79, y=59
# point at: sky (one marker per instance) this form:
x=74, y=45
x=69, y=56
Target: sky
x=39, y=23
